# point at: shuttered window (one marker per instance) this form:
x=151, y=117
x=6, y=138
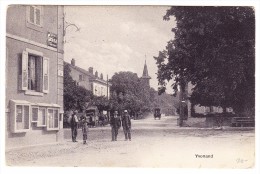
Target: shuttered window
x=34, y=72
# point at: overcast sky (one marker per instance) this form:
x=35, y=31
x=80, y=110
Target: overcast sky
x=117, y=38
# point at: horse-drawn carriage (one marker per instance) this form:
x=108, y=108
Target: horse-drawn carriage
x=157, y=113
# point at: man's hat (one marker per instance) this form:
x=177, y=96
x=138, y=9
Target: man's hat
x=125, y=110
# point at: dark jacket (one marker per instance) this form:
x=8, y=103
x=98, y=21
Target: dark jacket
x=126, y=121
x=115, y=122
x=74, y=121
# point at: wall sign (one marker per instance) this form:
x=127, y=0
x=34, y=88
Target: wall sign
x=52, y=40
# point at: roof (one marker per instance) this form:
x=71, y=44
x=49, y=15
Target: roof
x=145, y=72
x=92, y=77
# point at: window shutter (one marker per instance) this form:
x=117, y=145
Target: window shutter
x=35, y=112
x=39, y=73
x=31, y=18
x=38, y=16
x=24, y=79
x=45, y=75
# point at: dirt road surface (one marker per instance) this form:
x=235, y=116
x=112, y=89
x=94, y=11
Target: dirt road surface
x=155, y=143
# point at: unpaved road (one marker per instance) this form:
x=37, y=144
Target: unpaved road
x=155, y=143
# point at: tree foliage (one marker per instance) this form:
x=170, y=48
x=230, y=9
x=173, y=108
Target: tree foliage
x=214, y=49
x=75, y=97
x=128, y=92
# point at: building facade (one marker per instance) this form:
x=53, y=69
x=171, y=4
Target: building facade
x=34, y=75
x=90, y=80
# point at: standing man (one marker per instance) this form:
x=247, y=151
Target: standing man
x=74, y=126
x=115, y=124
x=126, y=123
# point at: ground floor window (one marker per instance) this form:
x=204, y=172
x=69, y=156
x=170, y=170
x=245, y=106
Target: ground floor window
x=53, y=119
x=39, y=116
x=23, y=114
x=22, y=117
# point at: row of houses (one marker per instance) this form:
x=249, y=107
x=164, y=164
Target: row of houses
x=34, y=75
x=94, y=82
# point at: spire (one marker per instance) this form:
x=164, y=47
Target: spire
x=145, y=71
x=145, y=78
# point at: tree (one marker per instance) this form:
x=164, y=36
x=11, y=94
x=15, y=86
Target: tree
x=101, y=102
x=75, y=97
x=129, y=93
x=214, y=49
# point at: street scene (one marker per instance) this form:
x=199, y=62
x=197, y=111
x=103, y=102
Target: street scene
x=130, y=86
x=154, y=143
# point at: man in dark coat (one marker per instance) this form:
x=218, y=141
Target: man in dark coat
x=74, y=126
x=115, y=124
x=126, y=123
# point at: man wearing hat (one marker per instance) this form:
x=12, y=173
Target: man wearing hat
x=115, y=124
x=126, y=123
x=74, y=126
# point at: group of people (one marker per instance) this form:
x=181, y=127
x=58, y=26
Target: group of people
x=116, y=121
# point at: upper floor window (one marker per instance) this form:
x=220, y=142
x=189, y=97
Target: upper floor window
x=81, y=77
x=35, y=15
x=34, y=74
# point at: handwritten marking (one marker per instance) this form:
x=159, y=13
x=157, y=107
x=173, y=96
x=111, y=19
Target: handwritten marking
x=241, y=160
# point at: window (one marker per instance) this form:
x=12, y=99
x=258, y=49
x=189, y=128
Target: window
x=35, y=15
x=34, y=74
x=39, y=116
x=20, y=116
x=102, y=91
x=53, y=119
x=81, y=77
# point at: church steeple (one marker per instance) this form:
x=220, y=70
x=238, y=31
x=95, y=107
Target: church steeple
x=145, y=78
x=145, y=71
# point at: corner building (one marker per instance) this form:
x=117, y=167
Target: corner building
x=34, y=75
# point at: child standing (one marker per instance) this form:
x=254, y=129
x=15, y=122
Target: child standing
x=84, y=129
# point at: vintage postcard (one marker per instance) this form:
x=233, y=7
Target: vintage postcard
x=130, y=86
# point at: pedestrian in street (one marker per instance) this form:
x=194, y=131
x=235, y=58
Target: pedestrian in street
x=115, y=124
x=126, y=123
x=74, y=126
x=84, y=121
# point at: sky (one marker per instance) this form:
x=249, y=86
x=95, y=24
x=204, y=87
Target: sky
x=117, y=38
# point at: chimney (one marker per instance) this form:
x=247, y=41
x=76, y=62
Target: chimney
x=96, y=74
x=101, y=76
x=90, y=70
x=73, y=62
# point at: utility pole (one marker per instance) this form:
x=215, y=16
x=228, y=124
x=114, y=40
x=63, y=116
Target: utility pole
x=107, y=87
x=181, y=107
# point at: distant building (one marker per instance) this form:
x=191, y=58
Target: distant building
x=90, y=80
x=34, y=75
x=145, y=77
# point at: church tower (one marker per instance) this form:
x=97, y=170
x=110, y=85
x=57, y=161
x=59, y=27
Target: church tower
x=145, y=78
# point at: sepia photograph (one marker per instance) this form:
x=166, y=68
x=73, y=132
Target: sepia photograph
x=130, y=86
